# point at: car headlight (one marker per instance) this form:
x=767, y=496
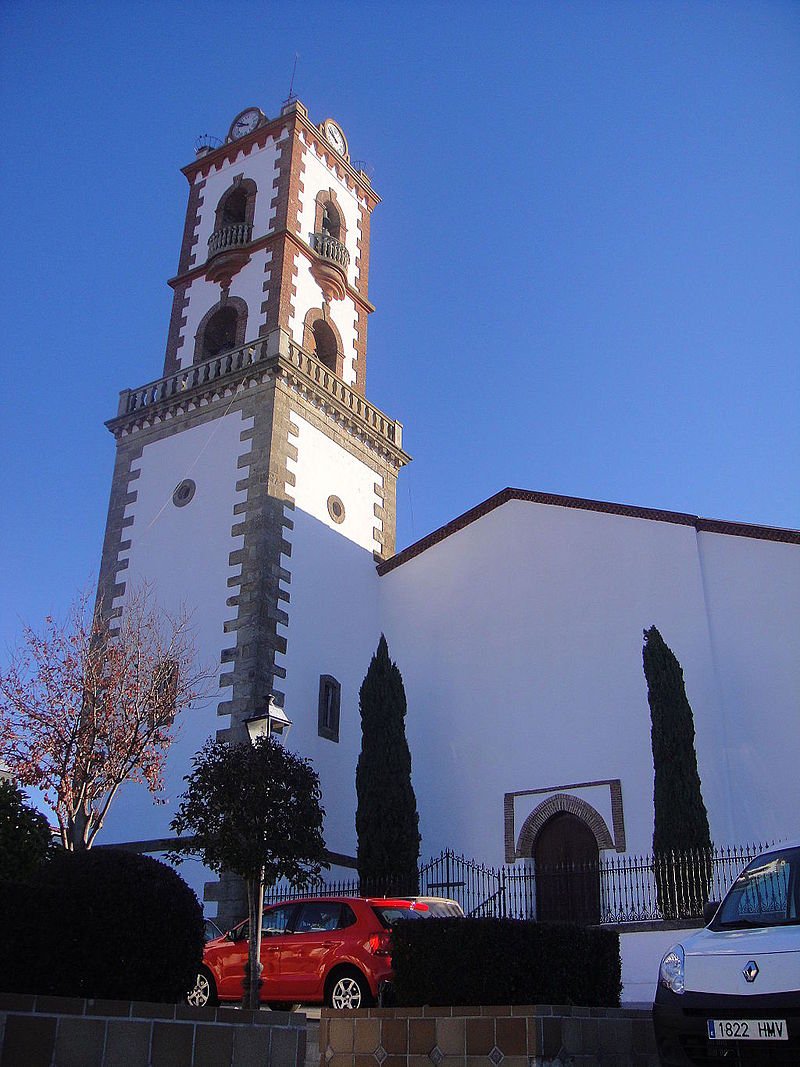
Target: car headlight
x=670, y=973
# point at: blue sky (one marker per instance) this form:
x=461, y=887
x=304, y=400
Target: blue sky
x=585, y=264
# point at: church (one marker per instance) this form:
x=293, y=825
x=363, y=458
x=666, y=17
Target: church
x=255, y=484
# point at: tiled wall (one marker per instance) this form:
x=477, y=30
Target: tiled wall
x=538, y=1036
x=64, y=1032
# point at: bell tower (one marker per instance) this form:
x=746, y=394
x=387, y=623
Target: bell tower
x=253, y=481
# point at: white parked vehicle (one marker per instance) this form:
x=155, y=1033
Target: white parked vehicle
x=731, y=992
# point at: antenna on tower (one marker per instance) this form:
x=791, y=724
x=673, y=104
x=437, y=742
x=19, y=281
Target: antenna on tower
x=290, y=99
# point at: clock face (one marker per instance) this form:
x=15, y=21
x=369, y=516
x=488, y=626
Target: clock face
x=335, y=137
x=245, y=123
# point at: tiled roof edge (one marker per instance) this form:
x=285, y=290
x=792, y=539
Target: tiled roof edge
x=720, y=526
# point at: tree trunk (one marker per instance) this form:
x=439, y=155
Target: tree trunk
x=255, y=909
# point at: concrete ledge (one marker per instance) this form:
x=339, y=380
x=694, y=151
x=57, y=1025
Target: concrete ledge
x=43, y=1031
x=514, y=1036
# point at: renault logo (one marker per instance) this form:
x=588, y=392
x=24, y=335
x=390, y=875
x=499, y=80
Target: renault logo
x=750, y=972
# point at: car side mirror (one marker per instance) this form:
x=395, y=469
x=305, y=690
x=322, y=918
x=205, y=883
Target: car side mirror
x=710, y=910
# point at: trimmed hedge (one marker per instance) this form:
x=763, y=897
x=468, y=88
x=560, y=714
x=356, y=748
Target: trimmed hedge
x=504, y=961
x=103, y=923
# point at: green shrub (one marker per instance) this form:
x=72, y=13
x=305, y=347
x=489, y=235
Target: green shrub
x=504, y=961
x=30, y=927
x=104, y=923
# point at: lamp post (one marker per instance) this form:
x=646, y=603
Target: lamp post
x=274, y=722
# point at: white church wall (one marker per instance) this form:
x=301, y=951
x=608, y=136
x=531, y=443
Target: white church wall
x=753, y=593
x=519, y=639
x=183, y=553
x=333, y=622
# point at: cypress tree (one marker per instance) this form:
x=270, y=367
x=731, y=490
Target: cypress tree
x=680, y=817
x=387, y=823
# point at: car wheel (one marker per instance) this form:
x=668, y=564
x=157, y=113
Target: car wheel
x=204, y=994
x=348, y=989
x=280, y=1005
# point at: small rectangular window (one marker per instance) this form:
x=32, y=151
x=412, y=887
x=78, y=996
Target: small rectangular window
x=329, y=701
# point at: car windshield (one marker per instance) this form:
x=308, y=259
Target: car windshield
x=766, y=893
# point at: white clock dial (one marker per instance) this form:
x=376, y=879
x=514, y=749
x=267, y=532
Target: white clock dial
x=245, y=123
x=335, y=137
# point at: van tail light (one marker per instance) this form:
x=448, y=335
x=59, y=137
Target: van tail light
x=379, y=944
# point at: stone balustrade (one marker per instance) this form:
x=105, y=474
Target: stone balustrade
x=223, y=365
x=230, y=237
x=330, y=248
x=224, y=371
x=311, y=368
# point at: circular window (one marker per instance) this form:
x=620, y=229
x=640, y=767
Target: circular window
x=183, y=493
x=336, y=509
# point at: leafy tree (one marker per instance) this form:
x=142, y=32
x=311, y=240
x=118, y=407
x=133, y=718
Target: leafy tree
x=91, y=702
x=387, y=823
x=680, y=819
x=253, y=809
x=25, y=837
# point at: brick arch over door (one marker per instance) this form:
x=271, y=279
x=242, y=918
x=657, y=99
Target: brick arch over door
x=314, y=316
x=561, y=802
x=235, y=304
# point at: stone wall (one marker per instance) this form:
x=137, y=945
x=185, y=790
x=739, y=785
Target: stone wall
x=518, y=1036
x=66, y=1032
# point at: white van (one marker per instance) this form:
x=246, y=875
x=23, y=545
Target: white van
x=731, y=993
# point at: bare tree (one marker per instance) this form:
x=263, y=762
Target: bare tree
x=91, y=702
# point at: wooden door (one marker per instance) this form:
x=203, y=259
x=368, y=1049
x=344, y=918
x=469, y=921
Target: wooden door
x=567, y=871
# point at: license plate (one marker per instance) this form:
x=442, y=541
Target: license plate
x=747, y=1030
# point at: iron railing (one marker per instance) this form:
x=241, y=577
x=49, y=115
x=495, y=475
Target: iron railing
x=615, y=890
x=230, y=237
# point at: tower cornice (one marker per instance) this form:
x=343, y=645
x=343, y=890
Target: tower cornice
x=219, y=380
x=294, y=114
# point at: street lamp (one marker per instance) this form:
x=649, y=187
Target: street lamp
x=274, y=722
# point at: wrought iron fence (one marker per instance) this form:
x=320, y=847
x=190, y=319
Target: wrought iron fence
x=618, y=889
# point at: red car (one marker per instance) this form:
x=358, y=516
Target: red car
x=322, y=950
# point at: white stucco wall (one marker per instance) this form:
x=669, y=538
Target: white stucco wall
x=520, y=637
x=753, y=594
x=183, y=552
x=333, y=621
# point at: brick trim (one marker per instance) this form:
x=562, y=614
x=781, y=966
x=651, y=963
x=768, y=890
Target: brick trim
x=617, y=816
x=733, y=529
x=555, y=805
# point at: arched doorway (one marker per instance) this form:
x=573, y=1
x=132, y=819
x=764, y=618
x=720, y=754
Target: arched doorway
x=567, y=870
